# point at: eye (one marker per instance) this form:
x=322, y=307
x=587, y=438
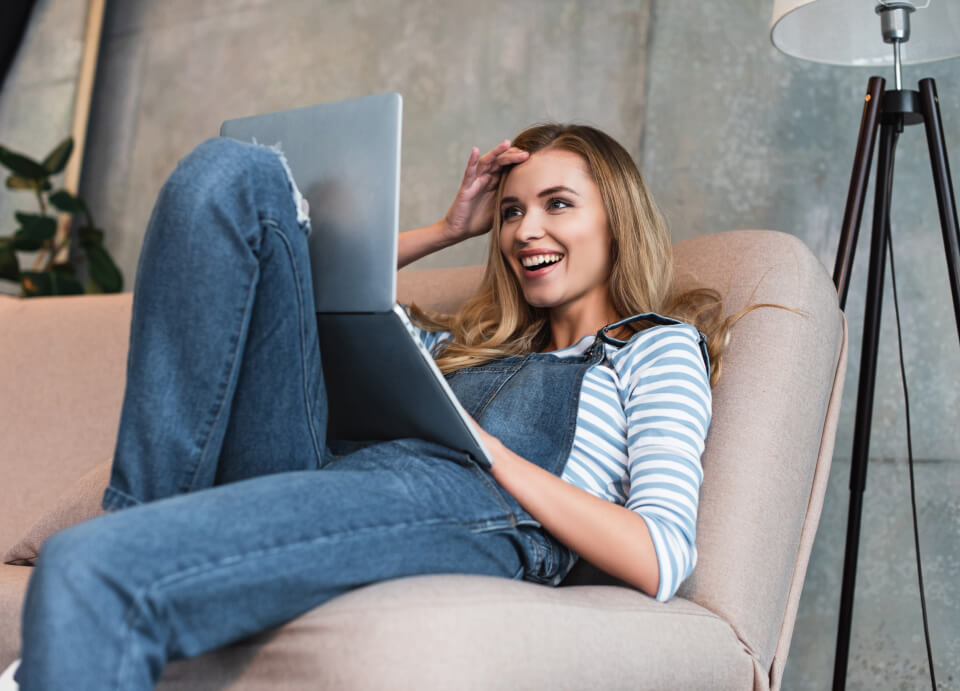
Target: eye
x=557, y=203
x=509, y=212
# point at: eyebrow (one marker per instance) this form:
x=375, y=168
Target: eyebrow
x=545, y=193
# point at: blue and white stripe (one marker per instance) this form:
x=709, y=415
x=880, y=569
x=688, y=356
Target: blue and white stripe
x=643, y=418
x=641, y=424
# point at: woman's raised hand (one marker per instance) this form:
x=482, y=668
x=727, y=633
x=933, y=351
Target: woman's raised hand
x=471, y=213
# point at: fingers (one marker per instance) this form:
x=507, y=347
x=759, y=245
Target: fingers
x=471, y=168
x=511, y=156
x=483, y=171
x=504, y=154
x=495, y=152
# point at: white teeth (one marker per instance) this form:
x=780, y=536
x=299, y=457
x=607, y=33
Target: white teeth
x=539, y=259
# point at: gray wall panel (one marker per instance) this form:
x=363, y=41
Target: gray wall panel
x=172, y=71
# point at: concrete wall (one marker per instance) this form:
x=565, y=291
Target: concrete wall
x=172, y=71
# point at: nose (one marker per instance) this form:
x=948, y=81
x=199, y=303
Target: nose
x=530, y=228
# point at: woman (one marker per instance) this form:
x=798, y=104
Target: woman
x=594, y=407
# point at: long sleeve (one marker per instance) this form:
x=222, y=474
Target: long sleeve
x=668, y=413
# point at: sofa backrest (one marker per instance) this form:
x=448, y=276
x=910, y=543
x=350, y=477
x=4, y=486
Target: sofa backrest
x=770, y=443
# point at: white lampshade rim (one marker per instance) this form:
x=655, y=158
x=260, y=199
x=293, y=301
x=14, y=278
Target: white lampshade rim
x=847, y=32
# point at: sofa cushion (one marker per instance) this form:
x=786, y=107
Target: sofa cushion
x=13, y=586
x=430, y=632
x=79, y=503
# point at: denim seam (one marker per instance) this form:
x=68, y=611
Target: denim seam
x=466, y=461
x=542, y=558
x=221, y=397
x=495, y=489
x=511, y=373
x=547, y=359
x=130, y=619
x=114, y=499
x=274, y=226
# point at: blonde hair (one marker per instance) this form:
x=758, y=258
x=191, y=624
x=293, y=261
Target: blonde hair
x=497, y=322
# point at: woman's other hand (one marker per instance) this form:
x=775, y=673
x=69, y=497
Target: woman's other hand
x=471, y=213
x=490, y=441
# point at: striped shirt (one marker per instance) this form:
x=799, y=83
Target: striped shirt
x=641, y=424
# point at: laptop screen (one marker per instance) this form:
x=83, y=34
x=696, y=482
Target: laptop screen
x=345, y=158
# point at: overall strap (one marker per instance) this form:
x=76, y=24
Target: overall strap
x=654, y=318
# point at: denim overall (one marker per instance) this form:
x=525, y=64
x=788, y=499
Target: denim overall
x=236, y=517
x=542, y=391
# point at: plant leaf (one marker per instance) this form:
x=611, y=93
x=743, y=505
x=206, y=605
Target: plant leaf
x=65, y=284
x=9, y=266
x=22, y=165
x=102, y=270
x=89, y=236
x=64, y=269
x=15, y=182
x=57, y=159
x=64, y=201
x=32, y=236
x=35, y=231
x=36, y=221
x=36, y=283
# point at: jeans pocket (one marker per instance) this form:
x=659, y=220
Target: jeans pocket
x=546, y=557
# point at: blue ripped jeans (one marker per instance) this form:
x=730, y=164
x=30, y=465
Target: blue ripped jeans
x=230, y=515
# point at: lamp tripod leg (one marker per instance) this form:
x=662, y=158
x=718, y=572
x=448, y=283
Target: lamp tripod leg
x=853, y=212
x=946, y=203
x=868, y=370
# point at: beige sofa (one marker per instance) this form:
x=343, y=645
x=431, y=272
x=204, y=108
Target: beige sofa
x=765, y=469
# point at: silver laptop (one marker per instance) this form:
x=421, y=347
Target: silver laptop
x=381, y=382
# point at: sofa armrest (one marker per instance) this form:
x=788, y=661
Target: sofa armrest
x=63, y=362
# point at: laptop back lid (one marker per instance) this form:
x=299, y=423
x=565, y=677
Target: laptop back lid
x=345, y=158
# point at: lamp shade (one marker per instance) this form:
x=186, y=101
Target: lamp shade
x=847, y=32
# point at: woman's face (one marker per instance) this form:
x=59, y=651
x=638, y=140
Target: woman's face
x=554, y=232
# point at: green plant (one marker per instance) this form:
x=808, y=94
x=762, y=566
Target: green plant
x=37, y=232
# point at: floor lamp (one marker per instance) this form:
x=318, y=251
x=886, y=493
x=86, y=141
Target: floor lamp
x=865, y=33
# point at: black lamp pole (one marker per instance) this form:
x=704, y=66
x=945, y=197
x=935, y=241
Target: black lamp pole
x=890, y=112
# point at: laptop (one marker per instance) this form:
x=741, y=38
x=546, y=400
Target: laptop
x=381, y=381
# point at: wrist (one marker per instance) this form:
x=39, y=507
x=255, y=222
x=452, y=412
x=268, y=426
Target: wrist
x=502, y=458
x=447, y=233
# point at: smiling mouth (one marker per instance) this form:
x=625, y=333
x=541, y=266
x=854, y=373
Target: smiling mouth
x=540, y=261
